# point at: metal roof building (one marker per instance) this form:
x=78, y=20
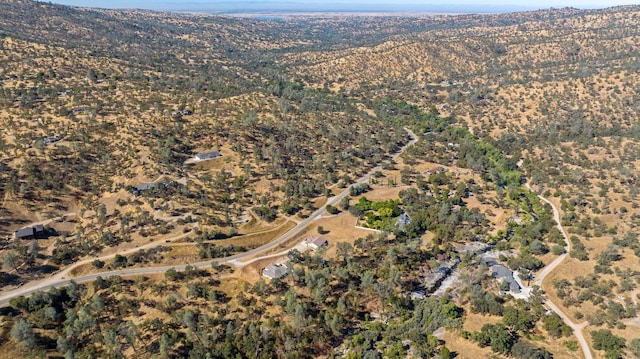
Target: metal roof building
x=316, y=242
x=208, y=155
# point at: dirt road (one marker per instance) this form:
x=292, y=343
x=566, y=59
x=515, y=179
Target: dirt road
x=577, y=328
x=61, y=278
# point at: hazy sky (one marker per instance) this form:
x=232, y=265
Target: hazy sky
x=402, y=5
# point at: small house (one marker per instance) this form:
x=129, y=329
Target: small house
x=33, y=232
x=403, y=221
x=24, y=233
x=49, y=140
x=143, y=187
x=505, y=274
x=316, y=242
x=208, y=155
x=275, y=271
x=436, y=170
x=79, y=109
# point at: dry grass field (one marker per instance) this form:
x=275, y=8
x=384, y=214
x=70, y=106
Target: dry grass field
x=97, y=121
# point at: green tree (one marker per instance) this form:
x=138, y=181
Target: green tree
x=343, y=249
x=22, y=333
x=612, y=345
x=555, y=326
x=171, y=274
x=499, y=338
x=331, y=209
x=119, y=261
x=516, y=319
x=522, y=350
x=344, y=203
x=165, y=346
x=11, y=260
x=445, y=353
x=34, y=250
x=101, y=214
x=634, y=347
x=112, y=343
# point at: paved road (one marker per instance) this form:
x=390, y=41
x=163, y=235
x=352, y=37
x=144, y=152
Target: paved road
x=577, y=328
x=60, y=280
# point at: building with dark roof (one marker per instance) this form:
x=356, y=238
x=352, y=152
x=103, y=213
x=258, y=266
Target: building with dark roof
x=136, y=190
x=34, y=232
x=506, y=274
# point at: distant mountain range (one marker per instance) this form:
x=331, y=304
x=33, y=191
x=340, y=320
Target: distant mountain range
x=299, y=6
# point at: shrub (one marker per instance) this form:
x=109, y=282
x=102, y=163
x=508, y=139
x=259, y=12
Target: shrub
x=331, y=209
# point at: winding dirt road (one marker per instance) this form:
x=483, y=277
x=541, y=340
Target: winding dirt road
x=577, y=328
x=60, y=280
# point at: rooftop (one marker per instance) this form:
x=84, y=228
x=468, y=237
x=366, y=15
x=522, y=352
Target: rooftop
x=275, y=271
x=208, y=155
x=29, y=232
x=145, y=186
x=506, y=274
x=316, y=242
x=24, y=232
x=403, y=220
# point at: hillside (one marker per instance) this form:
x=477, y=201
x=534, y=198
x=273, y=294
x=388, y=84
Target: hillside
x=106, y=115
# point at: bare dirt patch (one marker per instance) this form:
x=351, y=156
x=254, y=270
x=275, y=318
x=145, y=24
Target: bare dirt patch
x=341, y=229
x=465, y=349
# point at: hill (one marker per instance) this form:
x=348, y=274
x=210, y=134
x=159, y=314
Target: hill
x=106, y=115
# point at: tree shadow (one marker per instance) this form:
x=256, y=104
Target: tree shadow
x=46, y=342
x=42, y=269
x=9, y=312
x=8, y=279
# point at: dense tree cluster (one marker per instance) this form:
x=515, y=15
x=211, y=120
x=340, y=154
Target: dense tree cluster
x=318, y=307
